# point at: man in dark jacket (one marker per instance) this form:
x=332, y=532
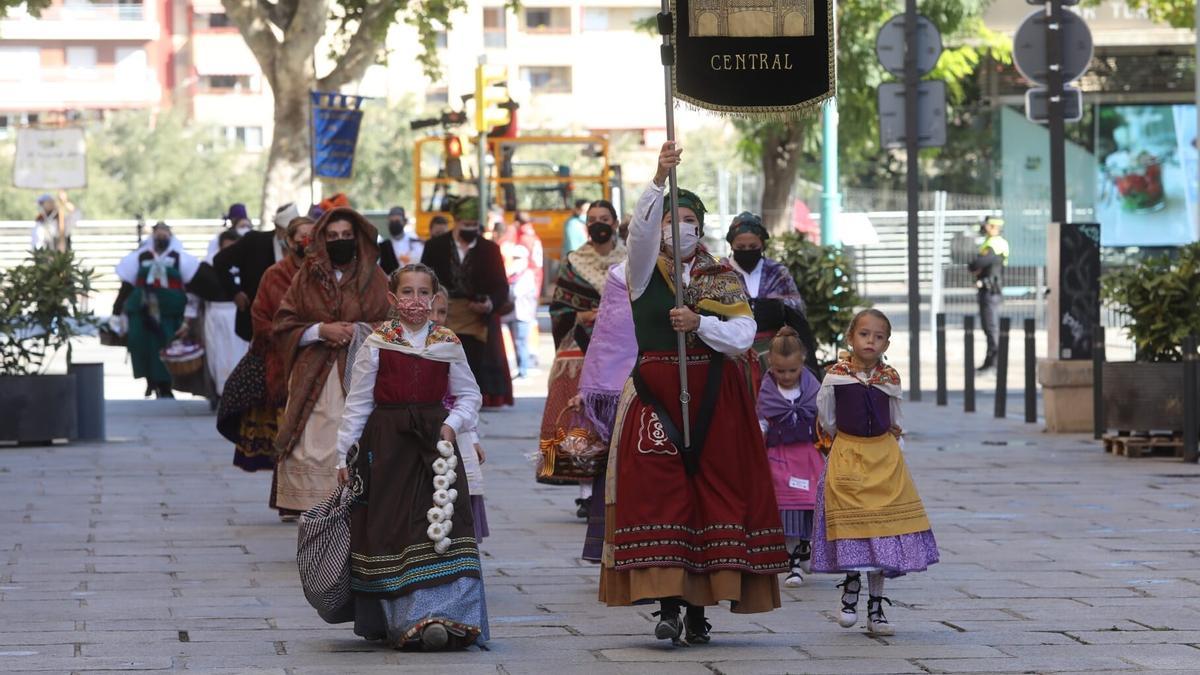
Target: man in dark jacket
x=399, y=247
x=241, y=266
x=472, y=270
x=988, y=268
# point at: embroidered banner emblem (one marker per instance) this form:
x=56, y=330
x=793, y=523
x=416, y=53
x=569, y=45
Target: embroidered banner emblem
x=652, y=437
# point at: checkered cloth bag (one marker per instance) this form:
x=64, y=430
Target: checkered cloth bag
x=323, y=554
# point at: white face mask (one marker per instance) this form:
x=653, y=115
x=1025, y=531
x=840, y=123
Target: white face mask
x=688, y=240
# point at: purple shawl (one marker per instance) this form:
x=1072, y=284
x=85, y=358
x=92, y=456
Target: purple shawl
x=610, y=355
x=788, y=421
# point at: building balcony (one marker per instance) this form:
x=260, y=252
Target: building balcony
x=89, y=21
x=100, y=87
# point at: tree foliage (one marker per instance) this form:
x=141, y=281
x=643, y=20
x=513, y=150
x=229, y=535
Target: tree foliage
x=825, y=278
x=156, y=166
x=383, y=169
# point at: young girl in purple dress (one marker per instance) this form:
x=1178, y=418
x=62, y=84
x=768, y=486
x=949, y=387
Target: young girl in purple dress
x=787, y=413
x=869, y=516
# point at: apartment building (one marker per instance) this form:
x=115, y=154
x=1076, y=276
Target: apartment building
x=80, y=59
x=573, y=66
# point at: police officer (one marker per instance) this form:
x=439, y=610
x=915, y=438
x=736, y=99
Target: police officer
x=988, y=266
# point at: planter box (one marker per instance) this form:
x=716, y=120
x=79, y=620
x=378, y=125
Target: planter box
x=1143, y=396
x=37, y=408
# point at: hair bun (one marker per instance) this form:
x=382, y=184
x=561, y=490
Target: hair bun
x=787, y=331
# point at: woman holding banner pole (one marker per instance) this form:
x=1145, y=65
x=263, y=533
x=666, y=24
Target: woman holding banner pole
x=689, y=523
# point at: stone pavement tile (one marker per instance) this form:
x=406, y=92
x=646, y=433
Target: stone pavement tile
x=1025, y=665
x=815, y=667
x=175, y=623
x=82, y=636
x=1152, y=656
x=1112, y=637
x=249, y=650
x=600, y=668
x=38, y=650
x=899, y=650
x=77, y=664
x=747, y=651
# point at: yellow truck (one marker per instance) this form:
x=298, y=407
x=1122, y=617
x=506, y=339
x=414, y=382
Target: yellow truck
x=542, y=176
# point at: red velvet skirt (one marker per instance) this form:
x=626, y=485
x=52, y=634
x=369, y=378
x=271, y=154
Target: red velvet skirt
x=723, y=516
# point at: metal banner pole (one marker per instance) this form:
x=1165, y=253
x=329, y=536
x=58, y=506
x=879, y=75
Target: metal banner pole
x=912, y=81
x=666, y=28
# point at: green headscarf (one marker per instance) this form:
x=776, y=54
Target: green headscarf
x=466, y=209
x=687, y=200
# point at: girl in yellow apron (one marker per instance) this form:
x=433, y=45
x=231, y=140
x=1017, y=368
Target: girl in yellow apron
x=869, y=517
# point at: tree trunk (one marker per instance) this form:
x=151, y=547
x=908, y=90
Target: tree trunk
x=289, y=166
x=780, y=163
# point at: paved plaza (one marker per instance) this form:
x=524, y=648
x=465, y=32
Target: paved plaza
x=152, y=552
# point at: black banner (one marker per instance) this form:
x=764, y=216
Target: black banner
x=773, y=57
x=1078, y=290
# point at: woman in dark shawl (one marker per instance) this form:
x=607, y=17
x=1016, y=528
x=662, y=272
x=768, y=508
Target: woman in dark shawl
x=339, y=285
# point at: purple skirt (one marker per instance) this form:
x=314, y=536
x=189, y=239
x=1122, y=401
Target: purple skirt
x=797, y=523
x=593, y=541
x=480, y=514
x=895, y=555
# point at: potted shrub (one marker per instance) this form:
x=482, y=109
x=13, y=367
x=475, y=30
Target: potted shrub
x=40, y=311
x=1161, y=297
x=824, y=277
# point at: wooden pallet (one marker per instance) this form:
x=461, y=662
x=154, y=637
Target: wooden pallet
x=1141, y=445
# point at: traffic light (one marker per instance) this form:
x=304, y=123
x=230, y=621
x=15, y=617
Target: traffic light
x=454, y=149
x=491, y=95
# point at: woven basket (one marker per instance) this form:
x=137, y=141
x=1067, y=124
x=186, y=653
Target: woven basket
x=575, y=453
x=182, y=359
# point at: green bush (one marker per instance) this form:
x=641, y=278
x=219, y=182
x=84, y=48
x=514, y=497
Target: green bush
x=1161, y=296
x=825, y=277
x=40, y=310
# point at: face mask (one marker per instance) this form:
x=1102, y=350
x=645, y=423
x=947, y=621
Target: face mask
x=412, y=311
x=341, y=251
x=396, y=227
x=601, y=233
x=468, y=235
x=161, y=245
x=748, y=259
x=688, y=240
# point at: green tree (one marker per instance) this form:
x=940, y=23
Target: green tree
x=785, y=150
x=383, y=169
x=153, y=165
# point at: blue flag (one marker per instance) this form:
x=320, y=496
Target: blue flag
x=336, y=119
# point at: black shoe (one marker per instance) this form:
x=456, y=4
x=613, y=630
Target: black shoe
x=434, y=637
x=584, y=506
x=149, y=389
x=851, y=587
x=164, y=391
x=697, y=627
x=670, y=624
x=989, y=362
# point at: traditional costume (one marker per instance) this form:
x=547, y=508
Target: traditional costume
x=155, y=306
x=474, y=276
x=321, y=293
x=689, y=525
x=869, y=517
x=611, y=354
x=413, y=551
x=579, y=289
x=773, y=294
x=788, y=420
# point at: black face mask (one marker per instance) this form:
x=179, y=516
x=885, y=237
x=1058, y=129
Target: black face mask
x=298, y=250
x=396, y=227
x=600, y=233
x=341, y=251
x=748, y=259
x=161, y=245
x=468, y=235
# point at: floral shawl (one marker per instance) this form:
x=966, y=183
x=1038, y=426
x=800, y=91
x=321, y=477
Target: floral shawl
x=580, y=289
x=714, y=287
x=441, y=344
x=777, y=283
x=317, y=296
